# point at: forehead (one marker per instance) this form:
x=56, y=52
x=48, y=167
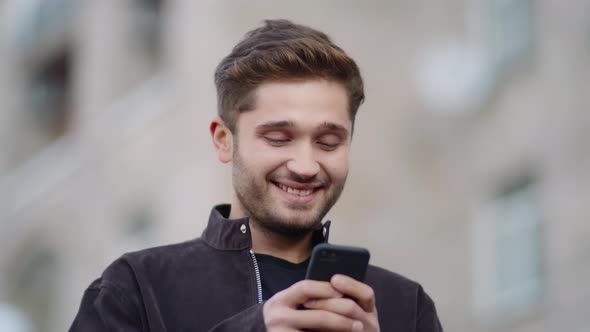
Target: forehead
x=304, y=103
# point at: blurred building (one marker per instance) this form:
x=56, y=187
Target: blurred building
x=469, y=164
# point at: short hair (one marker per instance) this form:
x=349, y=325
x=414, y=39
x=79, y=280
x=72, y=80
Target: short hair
x=282, y=51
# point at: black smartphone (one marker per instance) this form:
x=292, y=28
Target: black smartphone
x=329, y=259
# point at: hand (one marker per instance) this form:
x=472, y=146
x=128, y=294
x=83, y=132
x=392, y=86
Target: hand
x=362, y=311
x=281, y=311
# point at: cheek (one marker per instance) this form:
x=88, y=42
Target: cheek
x=336, y=165
x=261, y=158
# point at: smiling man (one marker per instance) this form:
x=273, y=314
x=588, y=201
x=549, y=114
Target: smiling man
x=292, y=159
x=287, y=100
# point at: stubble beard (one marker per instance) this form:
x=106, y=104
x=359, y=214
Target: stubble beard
x=254, y=200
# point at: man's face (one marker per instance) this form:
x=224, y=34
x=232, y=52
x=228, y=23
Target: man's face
x=290, y=157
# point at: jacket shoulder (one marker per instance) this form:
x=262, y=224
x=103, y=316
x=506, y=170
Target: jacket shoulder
x=390, y=280
x=125, y=269
x=169, y=252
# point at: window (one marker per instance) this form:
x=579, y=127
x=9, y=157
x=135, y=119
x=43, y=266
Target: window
x=44, y=21
x=34, y=288
x=504, y=29
x=148, y=23
x=140, y=224
x=14, y=320
x=507, y=260
x=138, y=227
x=49, y=94
x=511, y=31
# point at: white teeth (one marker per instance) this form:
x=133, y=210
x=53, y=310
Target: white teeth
x=295, y=191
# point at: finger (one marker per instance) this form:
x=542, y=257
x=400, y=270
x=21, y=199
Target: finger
x=342, y=306
x=359, y=291
x=305, y=290
x=323, y=321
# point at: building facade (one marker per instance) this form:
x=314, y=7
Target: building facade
x=469, y=165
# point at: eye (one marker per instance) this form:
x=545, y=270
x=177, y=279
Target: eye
x=329, y=142
x=276, y=142
x=276, y=138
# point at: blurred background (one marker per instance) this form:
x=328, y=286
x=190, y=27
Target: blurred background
x=470, y=168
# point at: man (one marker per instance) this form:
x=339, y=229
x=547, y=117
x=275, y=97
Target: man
x=287, y=100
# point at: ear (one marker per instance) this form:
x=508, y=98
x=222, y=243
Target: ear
x=222, y=139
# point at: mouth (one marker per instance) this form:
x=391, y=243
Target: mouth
x=302, y=194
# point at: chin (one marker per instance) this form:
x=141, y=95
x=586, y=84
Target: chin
x=300, y=215
x=292, y=223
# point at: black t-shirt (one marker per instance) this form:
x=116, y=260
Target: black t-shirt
x=277, y=274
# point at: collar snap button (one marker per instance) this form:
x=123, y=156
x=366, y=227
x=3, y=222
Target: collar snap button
x=243, y=229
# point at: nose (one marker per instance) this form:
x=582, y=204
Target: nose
x=303, y=163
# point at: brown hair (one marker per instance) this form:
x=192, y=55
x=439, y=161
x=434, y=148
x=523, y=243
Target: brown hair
x=282, y=51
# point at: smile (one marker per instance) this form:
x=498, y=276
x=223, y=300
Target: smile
x=290, y=190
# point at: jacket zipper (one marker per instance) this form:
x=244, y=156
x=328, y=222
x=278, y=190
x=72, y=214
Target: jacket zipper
x=257, y=274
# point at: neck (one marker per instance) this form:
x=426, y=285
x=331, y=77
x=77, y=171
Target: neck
x=292, y=249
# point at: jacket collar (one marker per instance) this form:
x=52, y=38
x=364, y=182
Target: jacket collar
x=234, y=234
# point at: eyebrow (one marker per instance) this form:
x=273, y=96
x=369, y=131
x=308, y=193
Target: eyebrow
x=276, y=124
x=334, y=127
x=288, y=124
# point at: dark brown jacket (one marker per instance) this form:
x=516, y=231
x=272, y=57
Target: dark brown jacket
x=210, y=284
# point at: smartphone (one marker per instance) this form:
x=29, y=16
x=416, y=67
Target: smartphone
x=329, y=259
